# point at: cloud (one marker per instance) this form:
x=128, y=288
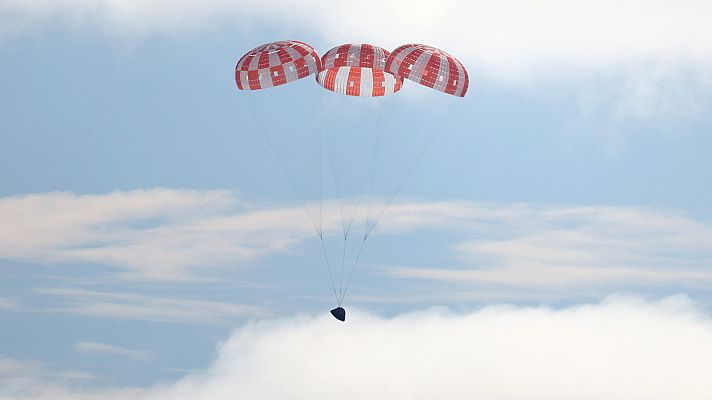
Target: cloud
x=7, y=304
x=142, y=307
x=23, y=379
x=647, y=59
x=528, y=246
x=174, y=235
x=159, y=234
x=508, y=33
x=170, y=235
x=620, y=348
x=103, y=348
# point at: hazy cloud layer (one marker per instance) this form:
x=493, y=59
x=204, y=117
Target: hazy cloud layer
x=174, y=235
x=95, y=348
x=505, y=34
x=7, y=304
x=650, y=59
x=143, y=307
x=156, y=234
x=574, y=247
x=20, y=379
x=622, y=348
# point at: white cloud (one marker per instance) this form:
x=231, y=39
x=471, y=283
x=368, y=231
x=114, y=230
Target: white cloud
x=573, y=247
x=506, y=33
x=173, y=235
x=20, y=379
x=142, y=307
x=7, y=304
x=165, y=234
x=156, y=234
x=621, y=348
x=655, y=56
x=103, y=348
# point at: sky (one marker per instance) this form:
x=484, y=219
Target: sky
x=547, y=236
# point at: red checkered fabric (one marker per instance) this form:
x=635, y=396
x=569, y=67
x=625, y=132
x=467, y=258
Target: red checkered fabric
x=355, y=55
x=275, y=64
x=358, y=70
x=430, y=67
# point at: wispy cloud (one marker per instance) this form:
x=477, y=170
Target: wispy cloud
x=7, y=304
x=565, y=247
x=156, y=234
x=22, y=379
x=620, y=348
x=107, y=349
x=164, y=234
x=142, y=307
x=173, y=234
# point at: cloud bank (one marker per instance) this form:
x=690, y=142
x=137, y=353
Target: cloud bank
x=506, y=35
x=621, y=348
x=642, y=59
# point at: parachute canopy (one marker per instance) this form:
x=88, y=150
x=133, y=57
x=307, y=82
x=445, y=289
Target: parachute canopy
x=429, y=67
x=347, y=157
x=357, y=70
x=275, y=64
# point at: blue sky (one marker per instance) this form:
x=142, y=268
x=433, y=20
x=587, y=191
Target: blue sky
x=151, y=246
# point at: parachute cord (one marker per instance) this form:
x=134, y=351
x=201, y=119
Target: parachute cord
x=343, y=264
x=372, y=173
x=319, y=229
x=328, y=267
x=358, y=256
x=285, y=170
x=381, y=126
x=321, y=172
x=321, y=200
x=437, y=133
x=339, y=198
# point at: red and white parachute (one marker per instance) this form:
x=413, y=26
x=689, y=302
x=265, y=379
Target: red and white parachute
x=430, y=67
x=275, y=64
x=352, y=69
x=316, y=134
x=357, y=70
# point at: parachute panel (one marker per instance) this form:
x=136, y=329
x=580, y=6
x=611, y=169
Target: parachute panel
x=356, y=55
x=358, y=81
x=429, y=67
x=275, y=64
x=358, y=70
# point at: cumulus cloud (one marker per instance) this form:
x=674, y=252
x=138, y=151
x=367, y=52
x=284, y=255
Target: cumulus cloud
x=621, y=348
x=508, y=33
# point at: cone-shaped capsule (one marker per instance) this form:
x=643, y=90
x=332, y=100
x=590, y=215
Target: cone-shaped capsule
x=339, y=313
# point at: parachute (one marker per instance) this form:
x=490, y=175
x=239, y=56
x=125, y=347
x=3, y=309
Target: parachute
x=429, y=67
x=358, y=70
x=275, y=64
x=348, y=144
